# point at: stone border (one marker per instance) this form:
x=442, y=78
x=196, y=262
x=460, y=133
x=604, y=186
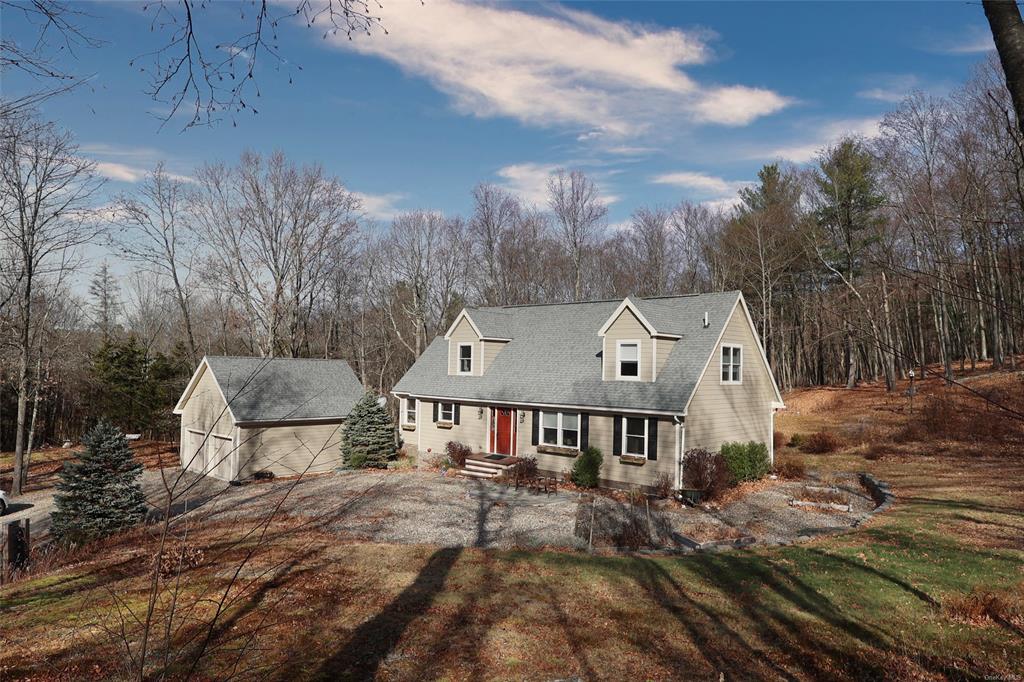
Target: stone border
x=880, y=492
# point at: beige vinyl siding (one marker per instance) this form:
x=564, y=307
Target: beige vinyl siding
x=463, y=333
x=662, y=347
x=627, y=328
x=722, y=413
x=431, y=439
x=613, y=472
x=206, y=412
x=491, y=350
x=289, y=450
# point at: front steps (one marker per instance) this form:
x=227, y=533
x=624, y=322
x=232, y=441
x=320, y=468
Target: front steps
x=478, y=467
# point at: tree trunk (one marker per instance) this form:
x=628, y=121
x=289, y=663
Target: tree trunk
x=1008, y=34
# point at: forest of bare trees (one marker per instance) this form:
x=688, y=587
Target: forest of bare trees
x=884, y=255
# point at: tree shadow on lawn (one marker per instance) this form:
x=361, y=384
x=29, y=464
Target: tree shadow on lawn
x=377, y=638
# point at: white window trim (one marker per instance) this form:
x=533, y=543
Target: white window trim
x=405, y=412
x=451, y=413
x=458, y=359
x=558, y=430
x=730, y=381
x=625, y=431
x=639, y=359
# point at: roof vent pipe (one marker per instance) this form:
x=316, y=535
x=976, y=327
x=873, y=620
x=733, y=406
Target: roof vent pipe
x=707, y=322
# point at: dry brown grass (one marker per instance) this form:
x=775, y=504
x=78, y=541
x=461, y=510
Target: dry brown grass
x=821, y=442
x=988, y=607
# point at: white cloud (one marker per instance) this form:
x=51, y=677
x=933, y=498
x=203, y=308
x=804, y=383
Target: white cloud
x=715, y=192
x=529, y=181
x=560, y=67
x=892, y=88
x=701, y=182
x=805, y=150
x=381, y=206
x=119, y=171
x=126, y=164
x=976, y=39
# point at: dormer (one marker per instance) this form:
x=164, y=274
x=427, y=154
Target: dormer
x=632, y=349
x=470, y=351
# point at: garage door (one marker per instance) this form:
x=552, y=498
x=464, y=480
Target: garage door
x=195, y=454
x=221, y=458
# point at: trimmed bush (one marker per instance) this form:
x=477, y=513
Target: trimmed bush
x=101, y=494
x=821, y=443
x=746, y=461
x=707, y=471
x=586, y=470
x=369, y=436
x=457, y=453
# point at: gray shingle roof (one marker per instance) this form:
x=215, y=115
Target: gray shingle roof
x=554, y=356
x=278, y=389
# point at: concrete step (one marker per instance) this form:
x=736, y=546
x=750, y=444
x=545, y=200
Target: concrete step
x=477, y=466
x=472, y=473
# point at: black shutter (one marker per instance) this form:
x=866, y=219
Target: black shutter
x=455, y=416
x=584, y=431
x=435, y=412
x=652, y=438
x=617, y=436
x=536, y=427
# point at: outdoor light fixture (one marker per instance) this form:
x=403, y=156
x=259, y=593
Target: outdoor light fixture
x=522, y=417
x=479, y=412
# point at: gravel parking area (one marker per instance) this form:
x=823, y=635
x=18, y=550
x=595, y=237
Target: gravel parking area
x=412, y=507
x=418, y=507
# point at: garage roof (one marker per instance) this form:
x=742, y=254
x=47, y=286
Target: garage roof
x=281, y=389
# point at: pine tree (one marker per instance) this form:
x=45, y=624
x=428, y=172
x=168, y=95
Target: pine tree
x=104, y=291
x=101, y=494
x=369, y=436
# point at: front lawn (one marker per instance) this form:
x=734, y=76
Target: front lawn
x=881, y=602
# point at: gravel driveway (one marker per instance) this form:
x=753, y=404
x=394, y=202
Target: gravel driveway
x=418, y=507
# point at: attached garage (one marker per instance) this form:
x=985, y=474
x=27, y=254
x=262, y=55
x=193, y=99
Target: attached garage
x=241, y=416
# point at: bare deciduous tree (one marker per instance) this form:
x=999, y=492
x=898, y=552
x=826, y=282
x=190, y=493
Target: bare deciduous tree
x=580, y=213
x=45, y=193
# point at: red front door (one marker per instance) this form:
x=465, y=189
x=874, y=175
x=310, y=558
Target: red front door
x=503, y=426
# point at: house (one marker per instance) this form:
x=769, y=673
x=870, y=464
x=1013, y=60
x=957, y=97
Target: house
x=241, y=416
x=642, y=379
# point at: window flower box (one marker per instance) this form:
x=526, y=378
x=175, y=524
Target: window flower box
x=444, y=425
x=633, y=459
x=408, y=427
x=557, y=450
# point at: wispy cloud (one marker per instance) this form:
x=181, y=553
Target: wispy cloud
x=975, y=39
x=891, y=88
x=711, y=190
x=126, y=164
x=381, y=206
x=821, y=136
x=554, y=66
x=529, y=181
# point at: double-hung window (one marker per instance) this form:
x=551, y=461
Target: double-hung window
x=409, y=415
x=628, y=366
x=465, y=358
x=732, y=364
x=447, y=412
x=634, y=436
x=560, y=429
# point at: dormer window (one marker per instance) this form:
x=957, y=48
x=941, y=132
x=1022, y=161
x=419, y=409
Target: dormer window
x=465, y=358
x=628, y=360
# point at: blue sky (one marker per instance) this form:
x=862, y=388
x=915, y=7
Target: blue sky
x=658, y=101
